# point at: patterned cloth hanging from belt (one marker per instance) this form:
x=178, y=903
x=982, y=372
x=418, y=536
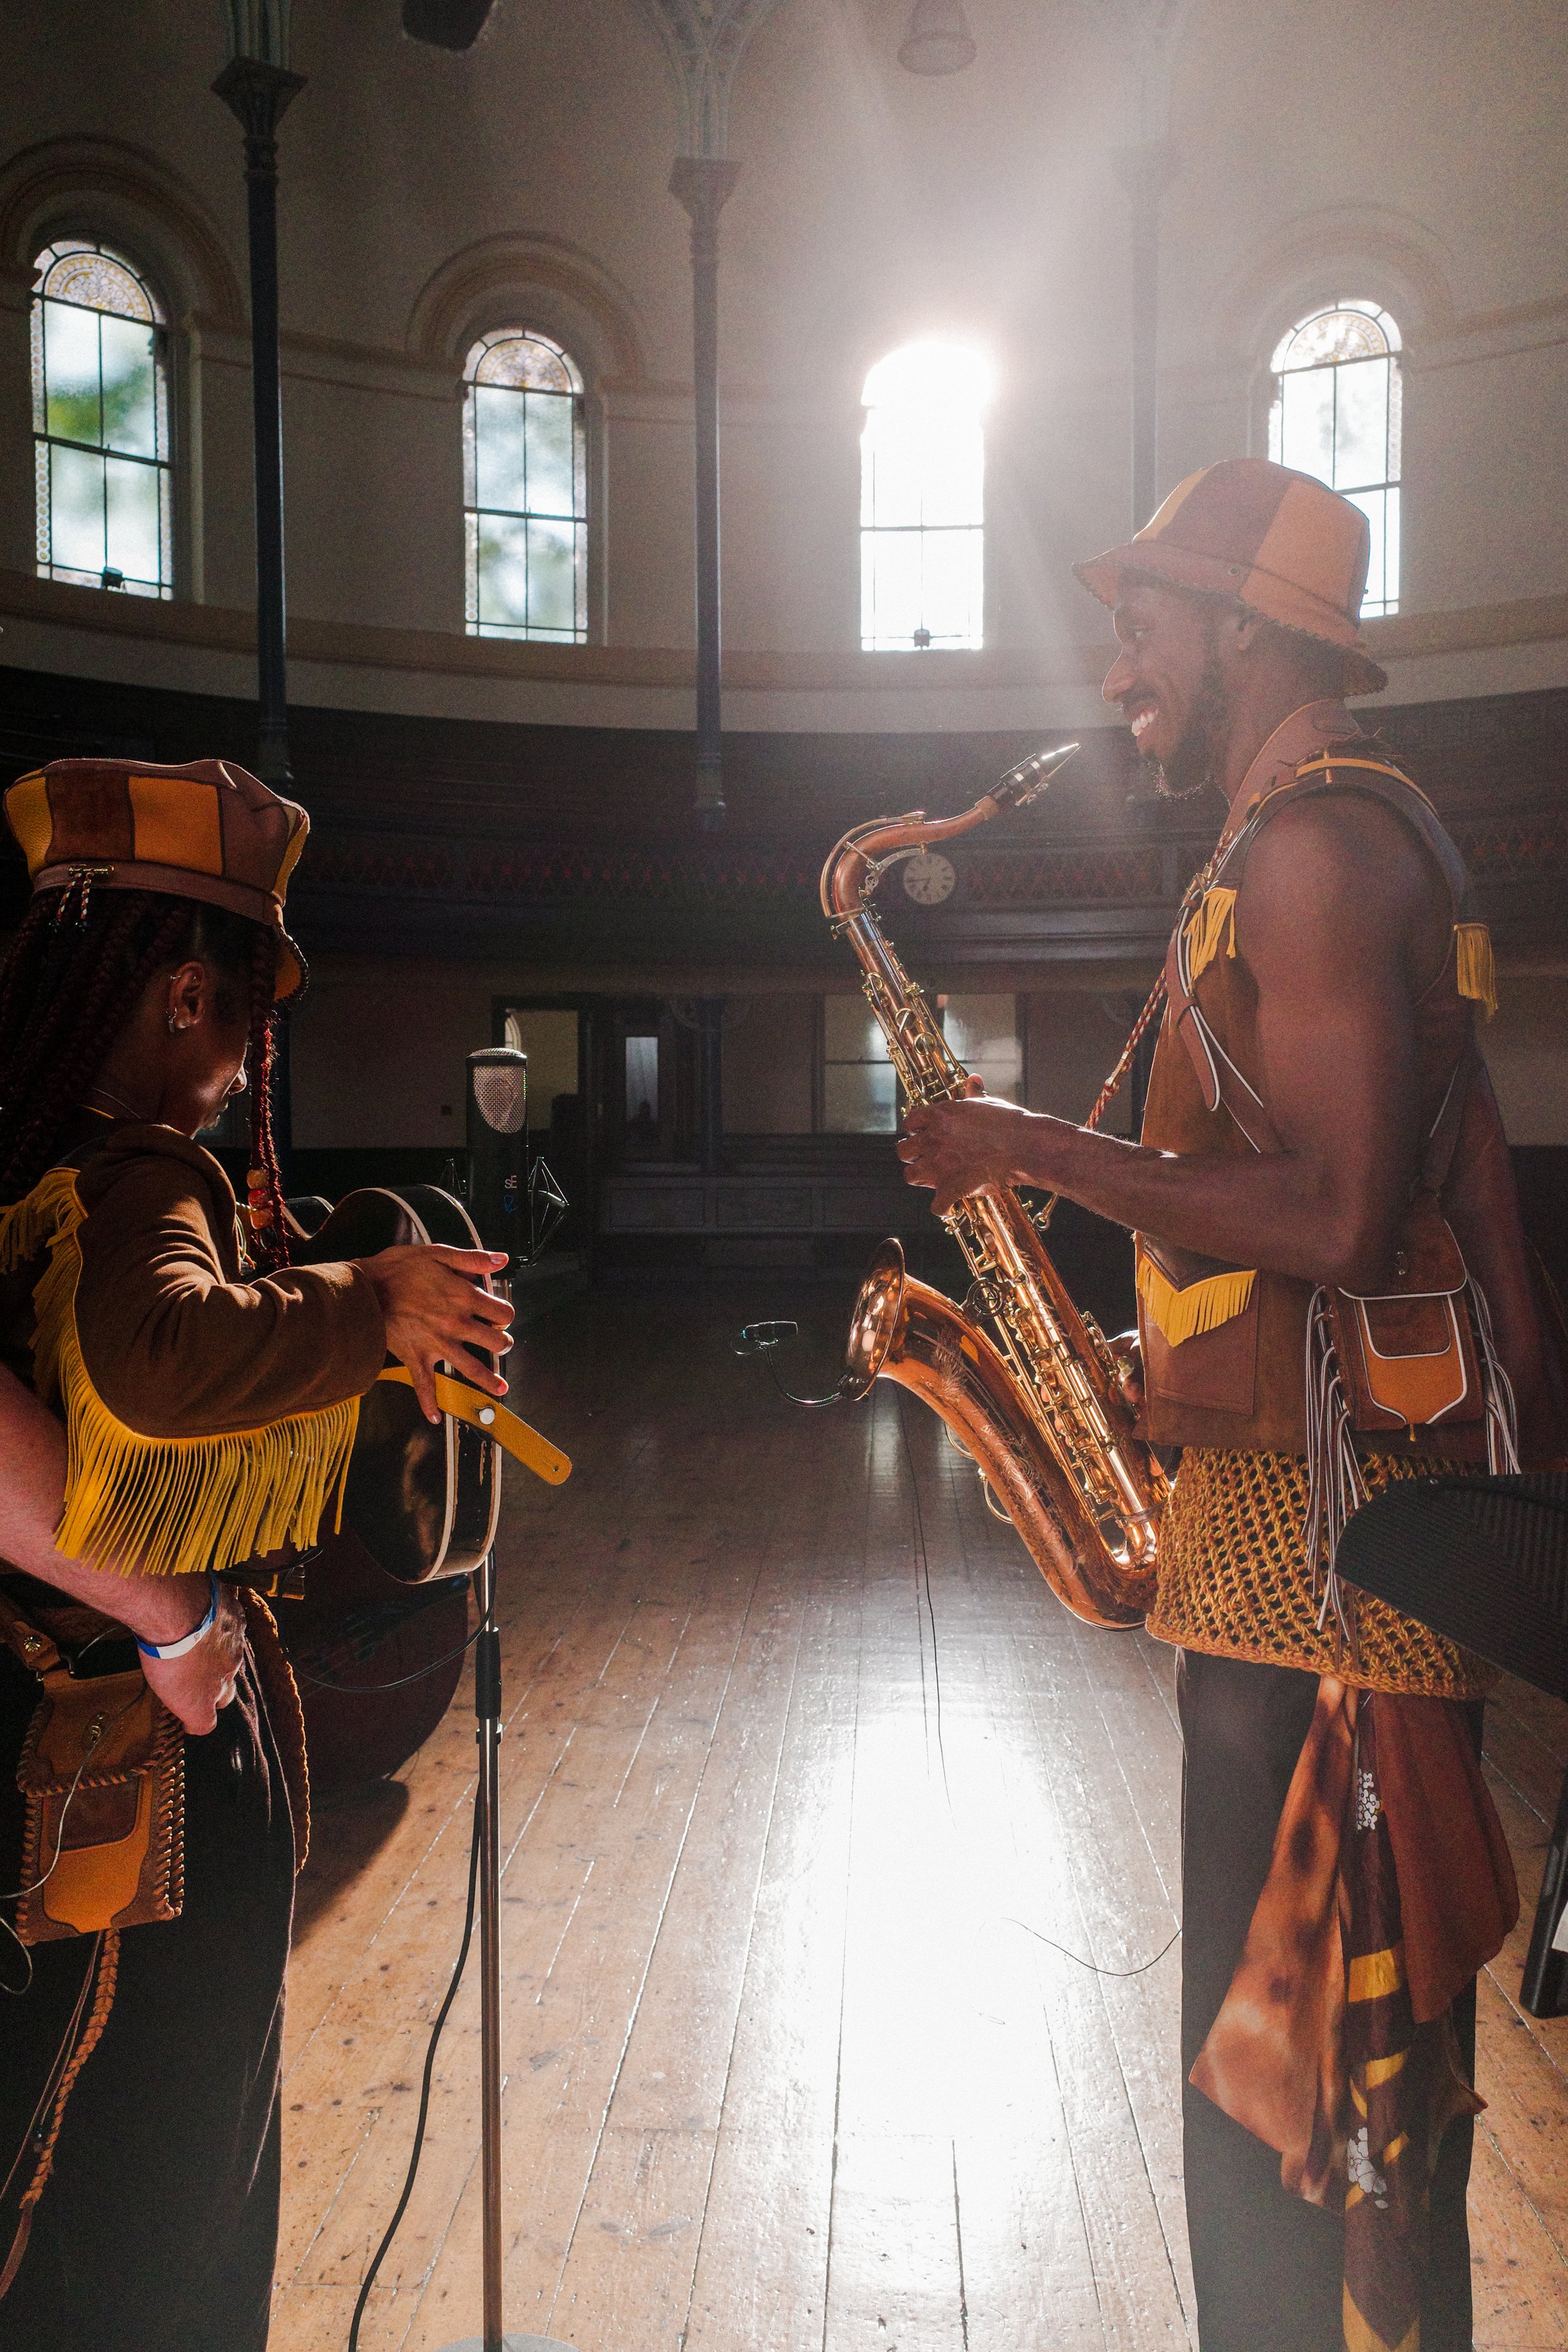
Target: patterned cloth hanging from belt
x=1390, y=1886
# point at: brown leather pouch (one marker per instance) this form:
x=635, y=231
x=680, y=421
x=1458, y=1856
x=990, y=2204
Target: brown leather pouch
x=102, y=1769
x=1407, y=1354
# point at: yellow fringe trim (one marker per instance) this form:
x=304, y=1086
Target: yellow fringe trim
x=33, y=1222
x=1477, y=971
x=1215, y=916
x=1179, y=1315
x=163, y=1506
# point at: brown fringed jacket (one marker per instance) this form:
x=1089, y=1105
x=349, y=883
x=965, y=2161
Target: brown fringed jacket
x=209, y=1414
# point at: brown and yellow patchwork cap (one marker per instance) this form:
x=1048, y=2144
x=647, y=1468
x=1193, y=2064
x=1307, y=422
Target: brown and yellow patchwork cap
x=209, y=831
x=1281, y=543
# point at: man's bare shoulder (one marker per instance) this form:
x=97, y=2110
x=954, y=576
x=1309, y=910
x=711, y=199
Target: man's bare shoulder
x=1336, y=886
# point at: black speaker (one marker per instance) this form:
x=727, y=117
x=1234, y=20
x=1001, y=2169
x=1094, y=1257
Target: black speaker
x=497, y=1148
x=1485, y=1560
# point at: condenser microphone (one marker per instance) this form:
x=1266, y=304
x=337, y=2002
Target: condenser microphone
x=497, y=1148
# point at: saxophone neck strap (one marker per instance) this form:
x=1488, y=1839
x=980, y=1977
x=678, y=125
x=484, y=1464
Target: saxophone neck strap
x=491, y=1420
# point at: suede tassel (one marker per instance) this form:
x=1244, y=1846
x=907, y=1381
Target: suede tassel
x=1214, y=923
x=1475, y=969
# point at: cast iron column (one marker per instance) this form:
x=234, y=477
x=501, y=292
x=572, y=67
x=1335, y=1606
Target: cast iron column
x=259, y=94
x=702, y=185
x=710, y=1082
x=1144, y=172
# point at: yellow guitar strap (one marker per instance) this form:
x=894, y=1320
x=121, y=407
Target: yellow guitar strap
x=492, y=1420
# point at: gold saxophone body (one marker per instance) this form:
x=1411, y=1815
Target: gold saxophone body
x=1037, y=1400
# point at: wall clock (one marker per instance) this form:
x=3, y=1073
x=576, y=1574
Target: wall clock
x=930, y=878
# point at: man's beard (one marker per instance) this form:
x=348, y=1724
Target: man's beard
x=1197, y=761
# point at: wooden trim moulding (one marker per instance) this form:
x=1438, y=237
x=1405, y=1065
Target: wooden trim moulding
x=357, y=645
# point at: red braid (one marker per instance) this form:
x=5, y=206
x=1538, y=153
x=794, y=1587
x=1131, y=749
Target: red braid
x=269, y=1243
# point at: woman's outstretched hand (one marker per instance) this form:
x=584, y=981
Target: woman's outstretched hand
x=436, y=1313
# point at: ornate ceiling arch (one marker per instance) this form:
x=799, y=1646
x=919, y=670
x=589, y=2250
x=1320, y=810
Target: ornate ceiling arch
x=704, y=40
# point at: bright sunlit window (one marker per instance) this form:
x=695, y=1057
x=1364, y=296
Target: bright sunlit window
x=922, y=499
x=859, y=1084
x=983, y=1030
x=100, y=422
x=525, y=465
x=1336, y=415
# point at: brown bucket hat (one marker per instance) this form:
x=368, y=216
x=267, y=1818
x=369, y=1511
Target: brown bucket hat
x=209, y=831
x=1281, y=543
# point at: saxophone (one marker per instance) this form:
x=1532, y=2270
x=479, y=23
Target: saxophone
x=1037, y=1399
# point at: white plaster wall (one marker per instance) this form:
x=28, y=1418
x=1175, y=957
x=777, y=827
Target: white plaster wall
x=1526, y=1049
x=377, y=1052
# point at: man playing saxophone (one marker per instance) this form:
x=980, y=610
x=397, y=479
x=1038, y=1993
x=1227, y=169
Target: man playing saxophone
x=1321, y=1187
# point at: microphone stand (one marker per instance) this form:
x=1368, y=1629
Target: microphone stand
x=488, y=1732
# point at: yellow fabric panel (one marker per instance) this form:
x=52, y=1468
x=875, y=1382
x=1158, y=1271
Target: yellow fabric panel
x=1383, y=2070
x=1179, y=1315
x=176, y=823
x=1360, y=2337
x=1310, y=538
x=291, y=857
x=1164, y=514
x=31, y=818
x=1376, y=1973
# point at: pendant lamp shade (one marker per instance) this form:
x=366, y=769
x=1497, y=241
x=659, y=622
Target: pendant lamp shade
x=938, y=40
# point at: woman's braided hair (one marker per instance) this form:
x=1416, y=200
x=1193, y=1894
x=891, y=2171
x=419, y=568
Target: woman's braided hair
x=75, y=975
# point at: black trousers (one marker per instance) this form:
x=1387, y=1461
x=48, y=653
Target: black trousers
x=158, y=2228
x=1267, y=2265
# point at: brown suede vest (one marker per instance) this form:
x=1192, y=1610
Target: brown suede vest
x=1225, y=1348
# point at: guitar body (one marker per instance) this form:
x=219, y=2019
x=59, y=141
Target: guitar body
x=354, y=1630
x=422, y=1497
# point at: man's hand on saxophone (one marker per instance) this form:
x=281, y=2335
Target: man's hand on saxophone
x=978, y=1143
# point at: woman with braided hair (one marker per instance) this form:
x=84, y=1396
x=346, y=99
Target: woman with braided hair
x=194, y=1400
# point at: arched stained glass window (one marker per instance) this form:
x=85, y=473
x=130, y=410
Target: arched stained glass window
x=922, y=499
x=525, y=466
x=100, y=422
x=1336, y=415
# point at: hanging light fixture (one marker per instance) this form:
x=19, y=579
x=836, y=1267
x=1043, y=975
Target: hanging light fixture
x=938, y=40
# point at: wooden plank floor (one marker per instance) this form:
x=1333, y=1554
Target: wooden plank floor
x=805, y=1778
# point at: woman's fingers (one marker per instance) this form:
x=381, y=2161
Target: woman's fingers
x=472, y=1263
x=435, y=1315
x=194, y=1688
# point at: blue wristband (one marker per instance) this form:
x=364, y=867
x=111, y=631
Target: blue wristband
x=166, y=1650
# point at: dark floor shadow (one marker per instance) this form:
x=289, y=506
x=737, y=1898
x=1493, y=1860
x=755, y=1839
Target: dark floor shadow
x=348, y=1830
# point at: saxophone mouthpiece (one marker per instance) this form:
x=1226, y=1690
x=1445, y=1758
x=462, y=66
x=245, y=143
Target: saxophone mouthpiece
x=1028, y=780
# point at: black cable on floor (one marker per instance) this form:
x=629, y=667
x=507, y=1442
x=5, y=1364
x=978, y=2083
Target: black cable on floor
x=442, y=2015
x=354, y=1690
